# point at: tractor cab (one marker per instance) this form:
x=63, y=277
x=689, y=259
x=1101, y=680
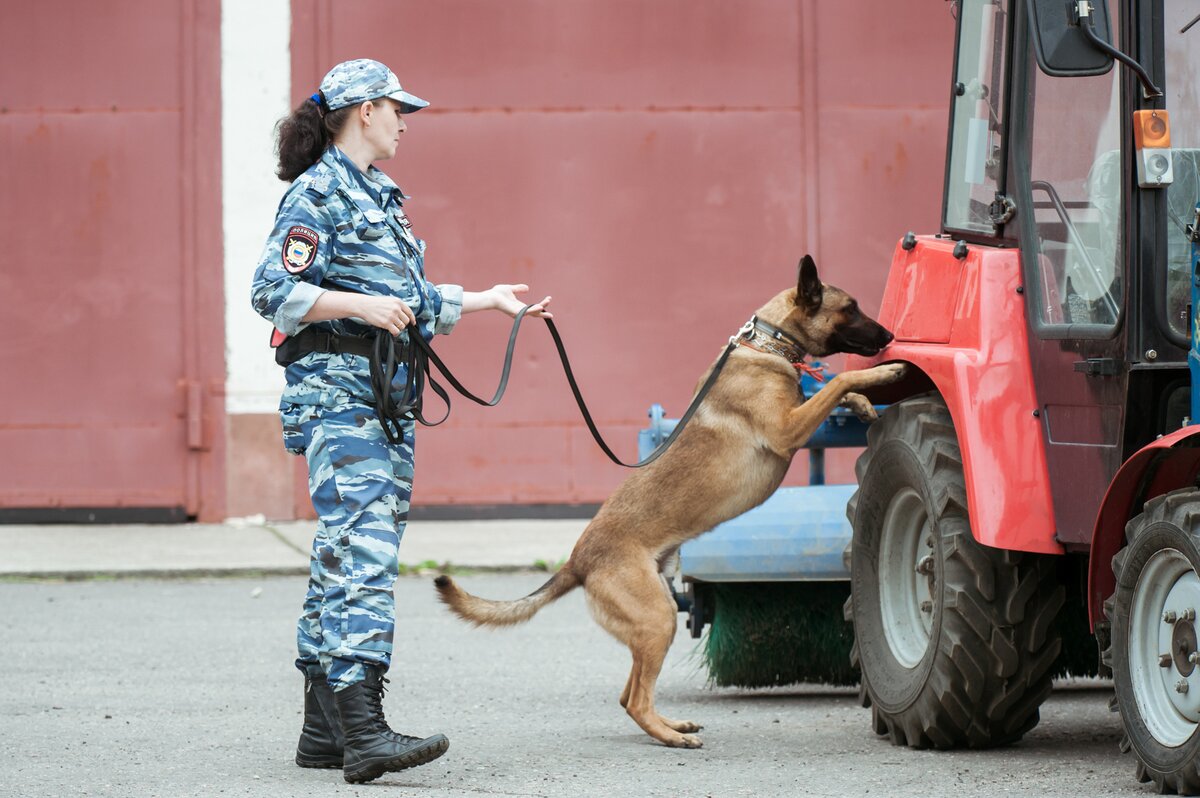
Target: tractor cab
x=1042, y=453
x=1058, y=149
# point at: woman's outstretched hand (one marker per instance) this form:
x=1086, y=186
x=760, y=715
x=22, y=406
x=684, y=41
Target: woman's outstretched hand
x=506, y=301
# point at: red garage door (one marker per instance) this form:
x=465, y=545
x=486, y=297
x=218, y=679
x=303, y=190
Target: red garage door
x=660, y=168
x=110, y=268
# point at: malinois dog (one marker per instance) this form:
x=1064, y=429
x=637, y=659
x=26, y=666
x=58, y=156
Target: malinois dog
x=730, y=458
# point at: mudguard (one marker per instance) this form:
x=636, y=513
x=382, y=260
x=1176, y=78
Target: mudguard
x=1172, y=461
x=960, y=321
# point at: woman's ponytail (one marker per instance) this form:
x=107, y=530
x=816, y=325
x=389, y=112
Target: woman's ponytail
x=304, y=135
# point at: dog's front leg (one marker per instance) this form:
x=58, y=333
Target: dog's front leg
x=803, y=420
x=861, y=407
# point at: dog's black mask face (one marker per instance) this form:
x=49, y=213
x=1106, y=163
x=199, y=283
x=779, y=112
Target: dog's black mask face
x=830, y=320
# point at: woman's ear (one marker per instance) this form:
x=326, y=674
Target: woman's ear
x=365, y=111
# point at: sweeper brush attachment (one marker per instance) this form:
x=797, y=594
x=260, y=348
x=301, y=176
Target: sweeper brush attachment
x=772, y=634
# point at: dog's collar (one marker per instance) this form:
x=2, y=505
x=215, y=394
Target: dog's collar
x=764, y=337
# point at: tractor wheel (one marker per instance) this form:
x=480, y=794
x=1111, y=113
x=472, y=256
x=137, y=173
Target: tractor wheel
x=1153, y=652
x=956, y=641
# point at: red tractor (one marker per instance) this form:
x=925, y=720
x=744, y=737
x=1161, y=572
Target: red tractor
x=1043, y=448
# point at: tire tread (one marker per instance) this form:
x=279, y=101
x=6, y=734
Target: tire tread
x=1180, y=508
x=999, y=640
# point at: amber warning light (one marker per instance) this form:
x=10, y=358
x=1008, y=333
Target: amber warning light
x=1152, y=139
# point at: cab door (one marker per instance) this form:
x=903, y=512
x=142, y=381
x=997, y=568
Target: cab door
x=1070, y=189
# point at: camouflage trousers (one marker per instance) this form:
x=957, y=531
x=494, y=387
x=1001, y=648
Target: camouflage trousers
x=361, y=486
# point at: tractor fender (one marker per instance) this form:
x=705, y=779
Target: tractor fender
x=1170, y=462
x=958, y=316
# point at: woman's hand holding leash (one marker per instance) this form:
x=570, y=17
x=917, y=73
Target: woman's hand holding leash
x=385, y=312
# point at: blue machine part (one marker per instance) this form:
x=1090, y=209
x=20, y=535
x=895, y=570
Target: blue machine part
x=1194, y=350
x=799, y=534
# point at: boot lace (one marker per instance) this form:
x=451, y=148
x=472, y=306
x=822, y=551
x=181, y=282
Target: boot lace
x=375, y=698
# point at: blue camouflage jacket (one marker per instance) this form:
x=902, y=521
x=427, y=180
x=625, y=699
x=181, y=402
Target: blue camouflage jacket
x=340, y=229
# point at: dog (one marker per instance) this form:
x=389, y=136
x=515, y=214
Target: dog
x=730, y=458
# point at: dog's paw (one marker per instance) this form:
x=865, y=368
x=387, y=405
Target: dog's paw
x=685, y=741
x=861, y=407
x=887, y=373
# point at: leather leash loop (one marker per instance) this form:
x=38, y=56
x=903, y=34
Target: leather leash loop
x=418, y=355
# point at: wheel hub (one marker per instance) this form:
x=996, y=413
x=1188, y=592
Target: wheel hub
x=907, y=577
x=1163, y=647
x=1183, y=646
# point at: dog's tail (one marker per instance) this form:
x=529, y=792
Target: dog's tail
x=485, y=612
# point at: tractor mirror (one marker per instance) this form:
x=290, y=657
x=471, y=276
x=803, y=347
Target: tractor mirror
x=1062, y=49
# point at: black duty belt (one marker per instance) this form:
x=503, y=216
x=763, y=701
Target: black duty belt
x=387, y=353
x=312, y=339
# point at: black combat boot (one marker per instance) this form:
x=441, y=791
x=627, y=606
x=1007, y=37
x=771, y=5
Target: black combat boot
x=371, y=747
x=321, y=739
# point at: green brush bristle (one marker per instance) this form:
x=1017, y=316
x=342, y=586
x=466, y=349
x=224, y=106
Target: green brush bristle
x=772, y=634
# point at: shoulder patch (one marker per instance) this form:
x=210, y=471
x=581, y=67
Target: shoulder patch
x=299, y=248
x=322, y=179
x=322, y=184
x=318, y=180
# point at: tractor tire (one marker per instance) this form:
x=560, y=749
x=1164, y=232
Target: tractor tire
x=956, y=641
x=1156, y=681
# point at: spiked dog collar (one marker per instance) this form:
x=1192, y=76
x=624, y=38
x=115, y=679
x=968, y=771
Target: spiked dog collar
x=764, y=337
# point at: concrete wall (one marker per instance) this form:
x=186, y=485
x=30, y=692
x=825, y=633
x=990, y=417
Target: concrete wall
x=256, y=92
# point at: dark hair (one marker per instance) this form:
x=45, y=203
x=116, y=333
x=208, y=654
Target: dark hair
x=304, y=134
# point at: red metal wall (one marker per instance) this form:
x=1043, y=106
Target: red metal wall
x=110, y=275
x=659, y=168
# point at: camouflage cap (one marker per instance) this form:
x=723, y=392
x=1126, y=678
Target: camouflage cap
x=353, y=82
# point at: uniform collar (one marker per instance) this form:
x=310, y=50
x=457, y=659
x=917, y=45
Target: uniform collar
x=349, y=175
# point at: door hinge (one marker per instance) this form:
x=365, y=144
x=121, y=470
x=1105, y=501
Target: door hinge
x=1097, y=366
x=1002, y=210
x=194, y=420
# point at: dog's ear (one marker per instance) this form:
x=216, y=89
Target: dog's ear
x=808, y=288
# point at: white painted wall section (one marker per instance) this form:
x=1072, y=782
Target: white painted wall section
x=255, y=94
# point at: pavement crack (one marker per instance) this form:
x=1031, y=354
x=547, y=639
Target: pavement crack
x=283, y=539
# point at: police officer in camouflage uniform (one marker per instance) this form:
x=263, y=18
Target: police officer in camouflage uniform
x=341, y=262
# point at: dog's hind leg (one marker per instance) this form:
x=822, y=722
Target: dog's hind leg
x=633, y=676
x=632, y=606
x=649, y=648
x=684, y=726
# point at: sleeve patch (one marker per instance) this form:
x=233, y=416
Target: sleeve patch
x=299, y=249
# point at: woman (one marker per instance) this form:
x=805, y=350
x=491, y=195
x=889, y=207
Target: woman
x=342, y=261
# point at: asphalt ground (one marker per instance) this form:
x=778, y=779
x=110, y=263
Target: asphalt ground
x=184, y=687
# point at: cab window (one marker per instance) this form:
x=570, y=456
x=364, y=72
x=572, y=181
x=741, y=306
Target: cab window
x=1183, y=104
x=1075, y=176
x=977, y=107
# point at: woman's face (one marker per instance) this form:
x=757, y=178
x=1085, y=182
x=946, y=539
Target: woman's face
x=386, y=125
